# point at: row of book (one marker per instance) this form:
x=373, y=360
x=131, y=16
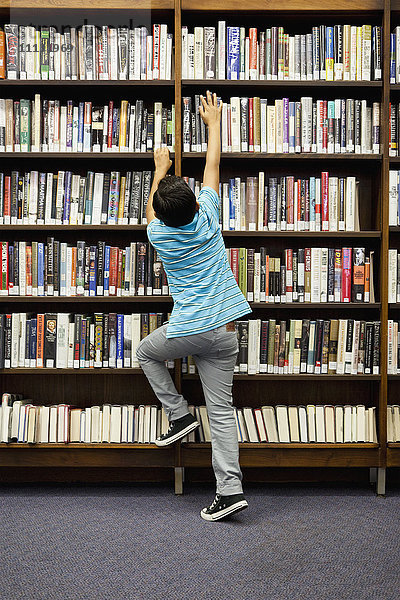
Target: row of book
x=394, y=129
x=287, y=126
x=87, y=52
x=331, y=53
x=393, y=343
x=393, y=276
x=74, y=341
x=67, y=198
x=395, y=56
x=23, y=421
x=56, y=126
x=60, y=269
x=393, y=423
x=331, y=346
x=288, y=203
x=394, y=198
x=303, y=274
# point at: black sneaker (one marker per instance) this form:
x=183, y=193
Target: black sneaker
x=223, y=506
x=177, y=430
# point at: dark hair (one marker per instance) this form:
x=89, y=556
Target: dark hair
x=174, y=202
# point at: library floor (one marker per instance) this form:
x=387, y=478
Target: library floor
x=143, y=543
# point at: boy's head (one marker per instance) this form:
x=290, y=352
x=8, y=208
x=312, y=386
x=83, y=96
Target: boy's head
x=174, y=202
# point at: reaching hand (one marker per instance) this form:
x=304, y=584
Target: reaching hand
x=162, y=160
x=210, y=112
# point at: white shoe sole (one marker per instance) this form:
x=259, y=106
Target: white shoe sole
x=178, y=436
x=225, y=512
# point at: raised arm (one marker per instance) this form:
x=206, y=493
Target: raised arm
x=162, y=163
x=210, y=112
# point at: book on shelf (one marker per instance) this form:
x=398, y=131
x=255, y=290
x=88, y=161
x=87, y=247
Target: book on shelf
x=60, y=269
x=304, y=274
x=74, y=341
x=287, y=203
x=393, y=423
x=67, y=198
x=86, y=52
x=254, y=124
x=21, y=421
x=393, y=347
x=41, y=125
x=394, y=198
x=393, y=276
x=305, y=346
x=328, y=53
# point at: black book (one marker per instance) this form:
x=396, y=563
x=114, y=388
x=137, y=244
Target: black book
x=50, y=340
x=146, y=186
x=144, y=325
x=319, y=335
x=138, y=125
x=149, y=268
x=349, y=346
x=80, y=267
x=56, y=267
x=2, y=339
x=136, y=194
x=16, y=266
x=368, y=359
x=305, y=334
x=106, y=321
x=295, y=276
x=100, y=268
x=14, y=197
x=50, y=266
x=104, y=203
x=164, y=118
x=244, y=120
x=376, y=348
x=144, y=130
x=243, y=335
x=27, y=342
x=7, y=341
x=86, y=269
x=20, y=197
x=97, y=128
x=112, y=340
x=41, y=197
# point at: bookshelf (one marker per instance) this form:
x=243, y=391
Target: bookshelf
x=96, y=386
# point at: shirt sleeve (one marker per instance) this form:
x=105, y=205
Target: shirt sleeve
x=151, y=231
x=209, y=200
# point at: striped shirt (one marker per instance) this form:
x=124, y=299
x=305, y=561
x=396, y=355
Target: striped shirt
x=201, y=281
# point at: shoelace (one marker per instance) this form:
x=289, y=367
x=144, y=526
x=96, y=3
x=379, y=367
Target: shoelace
x=215, y=502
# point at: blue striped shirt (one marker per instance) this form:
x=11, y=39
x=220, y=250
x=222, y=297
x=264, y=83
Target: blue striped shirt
x=201, y=281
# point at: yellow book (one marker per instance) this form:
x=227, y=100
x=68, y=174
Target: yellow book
x=121, y=200
x=123, y=124
x=257, y=124
x=359, y=54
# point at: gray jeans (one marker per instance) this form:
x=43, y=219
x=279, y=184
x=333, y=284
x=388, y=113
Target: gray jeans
x=215, y=355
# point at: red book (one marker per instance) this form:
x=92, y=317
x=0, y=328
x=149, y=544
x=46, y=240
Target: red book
x=251, y=125
x=235, y=263
x=119, y=271
x=4, y=269
x=113, y=271
x=110, y=123
x=2, y=55
x=7, y=200
x=289, y=275
x=325, y=200
x=290, y=201
x=40, y=341
x=346, y=275
x=298, y=203
x=28, y=270
x=253, y=52
x=325, y=126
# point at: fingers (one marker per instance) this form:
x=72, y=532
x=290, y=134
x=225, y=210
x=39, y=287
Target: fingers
x=209, y=98
x=204, y=103
x=215, y=101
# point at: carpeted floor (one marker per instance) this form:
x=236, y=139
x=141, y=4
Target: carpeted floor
x=144, y=543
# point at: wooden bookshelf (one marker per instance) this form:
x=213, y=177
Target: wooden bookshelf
x=107, y=384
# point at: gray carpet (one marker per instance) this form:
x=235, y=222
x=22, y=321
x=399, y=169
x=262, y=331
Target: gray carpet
x=144, y=543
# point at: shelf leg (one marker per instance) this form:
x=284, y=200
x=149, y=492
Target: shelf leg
x=179, y=478
x=381, y=483
x=373, y=475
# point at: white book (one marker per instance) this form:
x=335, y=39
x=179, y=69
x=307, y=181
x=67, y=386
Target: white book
x=366, y=52
x=361, y=420
x=105, y=434
x=97, y=198
x=339, y=424
x=53, y=424
x=270, y=423
x=88, y=425
x=44, y=419
x=190, y=55
x=282, y=422
x=221, y=49
x=262, y=434
x=250, y=424
x=271, y=133
x=392, y=276
x=75, y=425
x=95, y=424
x=353, y=423
x=303, y=423
x=184, y=52
x=124, y=423
x=320, y=423
x=135, y=338
x=372, y=424
x=329, y=423
x=157, y=124
x=63, y=324
x=115, y=424
x=306, y=123
x=315, y=274
x=341, y=347
x=15, y=320
x=395, y=422
x=293, y=417
x=199, y=52
x=235, y=123
x=311, y=410
x=393, y=197
x=263, y=127
x=347, y=424
x=324, y=275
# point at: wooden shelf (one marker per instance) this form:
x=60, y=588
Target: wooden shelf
x=303, y=234
x=291, y=5
x=299, y=377
x=286, y=445
x=307, y=305
x=79, y=155
x=98, y=371
x=287, y=156
x=100, y=5
x=279, y=83
x=105, y=228
x=86, y=299
x=79, y=83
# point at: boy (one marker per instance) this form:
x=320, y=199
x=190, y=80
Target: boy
x=207, y=299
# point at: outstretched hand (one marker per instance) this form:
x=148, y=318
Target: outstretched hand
x=162, y=160
x=210, y=112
